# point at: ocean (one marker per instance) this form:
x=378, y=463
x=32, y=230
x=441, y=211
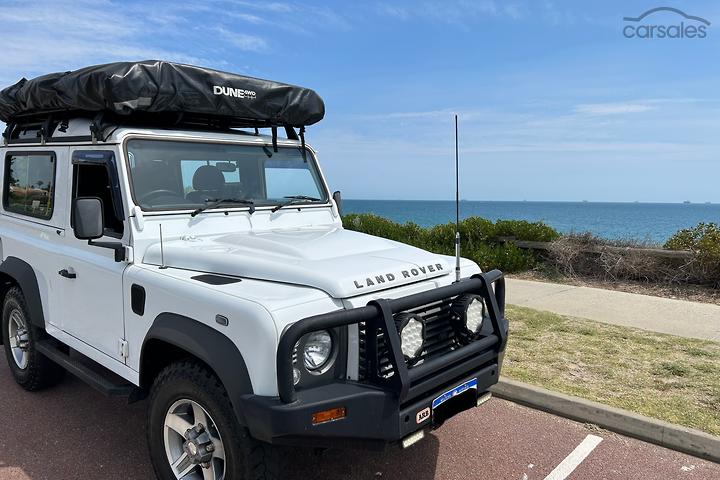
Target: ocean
x=652, y=222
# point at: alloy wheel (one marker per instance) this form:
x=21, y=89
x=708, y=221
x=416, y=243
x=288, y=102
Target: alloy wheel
x=193, y=445
x=19, y=338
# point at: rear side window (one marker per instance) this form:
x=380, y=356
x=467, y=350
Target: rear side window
x=29, y=186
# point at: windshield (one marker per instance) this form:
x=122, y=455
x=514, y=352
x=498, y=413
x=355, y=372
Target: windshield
x=172, y=175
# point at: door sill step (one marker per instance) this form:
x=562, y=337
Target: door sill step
x=90, y=372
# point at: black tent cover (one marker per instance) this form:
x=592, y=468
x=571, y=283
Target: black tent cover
x=157, y=87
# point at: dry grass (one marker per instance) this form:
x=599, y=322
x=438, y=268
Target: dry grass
x=569, y=255
x=585, y=255
x=662, y=376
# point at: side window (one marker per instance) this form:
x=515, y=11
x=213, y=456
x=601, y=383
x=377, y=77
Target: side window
x=91, y=178
x=29, y=186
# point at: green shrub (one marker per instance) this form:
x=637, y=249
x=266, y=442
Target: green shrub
x=522, y=230
x=703, y=239
x=479, y=238
x=506, y=257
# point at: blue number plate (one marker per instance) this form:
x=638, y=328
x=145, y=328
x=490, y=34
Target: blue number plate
x=464, y=387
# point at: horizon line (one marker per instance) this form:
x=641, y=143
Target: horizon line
x=452, y=200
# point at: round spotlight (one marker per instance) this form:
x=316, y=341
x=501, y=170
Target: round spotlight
x=412, y=334
x=467, y=314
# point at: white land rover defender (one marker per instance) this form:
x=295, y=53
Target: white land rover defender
x=154, y=248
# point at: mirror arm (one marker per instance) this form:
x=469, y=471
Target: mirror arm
x=337, y=197
x=118, y=247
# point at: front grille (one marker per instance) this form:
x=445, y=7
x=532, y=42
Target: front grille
x=384, y=366
x=440, y=339
x=439, y=334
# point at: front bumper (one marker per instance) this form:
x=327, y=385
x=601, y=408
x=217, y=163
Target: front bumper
x=381, y=410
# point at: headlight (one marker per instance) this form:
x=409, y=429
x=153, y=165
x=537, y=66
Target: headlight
x=412, y=334
x=468, y=312
x=317, y=350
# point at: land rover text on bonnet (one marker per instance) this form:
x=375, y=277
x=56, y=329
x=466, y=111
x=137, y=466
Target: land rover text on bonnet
x=166, y=233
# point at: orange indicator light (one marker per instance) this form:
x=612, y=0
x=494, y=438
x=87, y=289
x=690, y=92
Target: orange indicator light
x=329, y=415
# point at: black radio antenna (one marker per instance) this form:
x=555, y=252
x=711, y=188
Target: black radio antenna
x=457, y=204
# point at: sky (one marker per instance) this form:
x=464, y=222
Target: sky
x=554, y=101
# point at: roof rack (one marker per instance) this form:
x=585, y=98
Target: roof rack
x=46, y=124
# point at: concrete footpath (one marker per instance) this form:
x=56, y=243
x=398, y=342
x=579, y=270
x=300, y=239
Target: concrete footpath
x=664, y=315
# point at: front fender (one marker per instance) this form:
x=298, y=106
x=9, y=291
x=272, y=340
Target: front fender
x=207, y=344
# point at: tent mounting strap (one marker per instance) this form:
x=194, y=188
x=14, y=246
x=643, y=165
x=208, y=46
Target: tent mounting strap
x=9, y=128
x=274, y=138
x=46, y=130
x=96, y=127
x=302, y=142
x=290, y=133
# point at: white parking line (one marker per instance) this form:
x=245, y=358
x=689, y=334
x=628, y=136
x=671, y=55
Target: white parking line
x=575, y=458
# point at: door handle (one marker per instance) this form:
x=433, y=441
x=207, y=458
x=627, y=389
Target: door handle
x=65, y=273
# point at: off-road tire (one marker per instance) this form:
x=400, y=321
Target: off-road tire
x=246, y=458
x=40, y=372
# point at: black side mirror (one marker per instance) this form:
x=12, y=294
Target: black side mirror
x=89, y=224
x=88, y=221
x=337, y=197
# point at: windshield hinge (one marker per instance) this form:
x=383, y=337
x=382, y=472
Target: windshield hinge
x=124, y=349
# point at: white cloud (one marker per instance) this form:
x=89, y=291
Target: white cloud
x=296, y=17
x=612, y=108
x=393, y=11
x=247, y=17
x=514, y=11
x=455, y=12
x=243, y=41
x=416, y=115
x=555, y=16
x=276, y=7
x=539, y=131
x=45, y=36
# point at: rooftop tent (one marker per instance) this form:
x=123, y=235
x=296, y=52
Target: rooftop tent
x=158, y=91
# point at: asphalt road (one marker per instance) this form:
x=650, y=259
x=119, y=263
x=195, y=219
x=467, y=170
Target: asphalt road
x=72, y=432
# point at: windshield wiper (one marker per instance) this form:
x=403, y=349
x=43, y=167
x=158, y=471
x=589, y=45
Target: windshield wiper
x=214, y=202
x=294, y=200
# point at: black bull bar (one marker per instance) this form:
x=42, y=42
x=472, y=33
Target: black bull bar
x=378, y=316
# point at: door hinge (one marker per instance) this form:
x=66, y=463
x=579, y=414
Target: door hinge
x=124, y=349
